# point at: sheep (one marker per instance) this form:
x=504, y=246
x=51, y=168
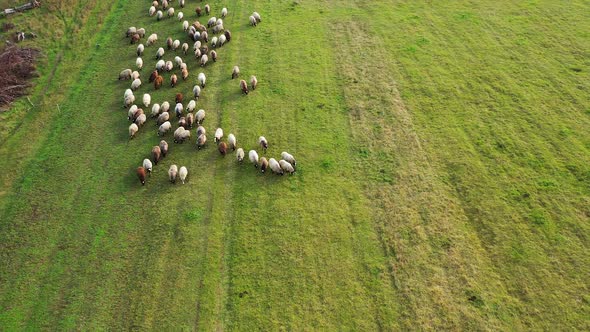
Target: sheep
x=141, y=32
x=140, y=119
x=159, y=53
x=178, y=98
x=211, y=21
x=164, y=148
x=190, y=119
x=285, y=166
x=181, y=134
x=160, y=66
x=222, y=40
x=205, y=36
x=129, y=100
x=133, y=116
x=201, y=140
x=231, y=139
x=133, y=128
x=135, y=75
x=191, y=106
x=204, y=60
x=235, y=72
x=169, y=42
x=164, y=4
x=198, y=10
x=147, y=164
x=152, y=11
x=131, y=112
x=134, y=38
x=222, y=147
x=183, y=66
x=185, y=48
x=275, y=166
x=155, y=3
x=175, y=45
x=135, y=84
x=253, y=21
x=288, y=157
x=152, y=39
x=169, y=66
x=181, y=3
x=180, y=15
x=170, y=12
x=227, y=35
x=158, y=82
x=197, y=45
x=263, y=164
x=204, y=49
x=198, y=53
x=217, y=29
x=218, y=135
x=128, y=93
x=253, y=82
x=140, y=49
x=159, y=15
x=207, y=9
x=224, y=12
x=244, y=87
x=164, y=128
x=214, y=56
x=253, y=155
x=178, y=110
x=240, y=155
x=153, y=76
x=125, y=74
x=182, y=123
x=257, y=17
x=214, y=42
x=141, y=175
x=201, y=131
x=165, y=116
x=185, y=25
x=139, y=63
x=182, y=173
x=263, y=143
x=196, y=91
x=202, y=79
x=131, y=31
x=165, y=106
x=184, y=73
x=173, y=80
x=155, y=110
x=172, y=171
x=156, y=154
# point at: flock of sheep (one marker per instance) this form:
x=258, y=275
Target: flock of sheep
x=199, y=35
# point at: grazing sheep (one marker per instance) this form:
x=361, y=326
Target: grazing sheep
x=222, y=40
x=196, y=91
x=257, y=17
x=140, y=119
x=169, y=42
x=128, y=93
x=182, y=173
x=181, y=134
x=164, y=148
x=181, y=3
x=184, y=73
x=235, y=72
x=160, y=66
x=141, y=175
x=175, y=45
x=179, y=98
x=164, y=4
x=129, y=100
x=217, y=29
x=134, y=75
x=159, y=15
x=253, y=21
x=131, y=112
x=152, y=11
x=185, y=48
x=285, y=166
x=205, y=37
x=201, y=141
x=263, y=143
x=207, y=9
x=162, y=118
x=136, y=114
x=198, y=10
x=214, y=56
x=158, y=82
x=164, y=128
x=275, y=166
x=170, y=12
x=173, y=80
x=185, y=25
x=165, y=106
x=183, y=66
x=159, y=53
x=152, y=39
x=240, y=155
x=253, y=82
x=222, y=147
x=218, y=135
x=133, y=128
x=263, y=164
x=134, y=38
x=211, y=21
x=169, y=66
x=156, y=154
x=214, y=42
x=178, y=110
x=227, y=35
x=155, y=110
x=191, y=106
x=231, y=139
x=147, y=164
x=204, y=60
x=201, y=131
x=190, y=119
x=131, y=31
x=178, y=60
x=180, y=16
x=198, y=53
x=253, y=155
x=224, y=12
x=135, y=84
x=204, y=49
x=202, y=79
x=172, y=172
x=140, y=49
x=288, y=157
x=139, y=63
x=182, y=123
x=244, y=87
x=197, y=45
x=141, y=32
x=153, y=76
x=155, y=3
x=125, y=74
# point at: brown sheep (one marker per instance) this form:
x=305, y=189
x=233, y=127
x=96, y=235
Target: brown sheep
x=263, y=164
x=227, y=35
x=182, y=123
x=214, y=56
x=173, y=80
x=204, y=49
x=141, y=174
x=153, y=76
x=222, y=148
x=198, y=11
x=158, y=82
x=205, y=36
x=179, y=98
x=244, y=86
x=190, y=119
x=156, y=154
x=135, y=38
x=137, y=114
x=184, y=74
x=169, y=42
x=164, y=148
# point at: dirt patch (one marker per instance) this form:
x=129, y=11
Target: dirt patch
x=19, y=69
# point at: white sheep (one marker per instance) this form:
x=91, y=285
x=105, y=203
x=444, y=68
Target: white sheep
x=181, y=3
x=222, y=40
x=155, y=110
x=140, y=49
x=170, y=12
x=275, y=166
x=152, y=10
x=178, y=60
x=204, y=59
x=253, y=21
x=263, y=142
x=175, y=44
x=288, y=157
x=214, y=42
x=131, y=112
x=201, y=131
x=152, y=39
x=164, y=128
x=163, y=117
x=198, y=53
x=172, y=172
x=218, y=28
x=164, y=4
x=224, y=12
x=141, y=32
x=147, y=99
x=140, y=120
x=285, y=166
x=135, y=75
x=180, y=15
x=147, y=164
x=128, y=100
x=183, y=66
x=257, y=17
x=181, y=134
x=128, y=93
x=185, y=25
x=197, y=45
x=159, y=15
x=131, y=31
x=218, y=135
x=219, y=22
x=133, y=128
x=159, y=53
x=182, y=173
x=191, y=106
x=235, y=72
x=240, y=155
x=139, y=63
x=253, y=82
x=135, y=84
x=231, y=140
x=160, y=65
x=202, y=79
x=178, y=110
x=211, y=21
x=253, y=155
x=125, y=74
x=165, y=106
x=201, y=140
x=197, y=91
x=185, y=48
x=200, y=116
x=169, y=66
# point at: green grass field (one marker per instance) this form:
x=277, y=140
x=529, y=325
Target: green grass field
x=443, y=177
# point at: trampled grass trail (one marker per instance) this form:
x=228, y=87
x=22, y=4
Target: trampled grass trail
x=442, y=179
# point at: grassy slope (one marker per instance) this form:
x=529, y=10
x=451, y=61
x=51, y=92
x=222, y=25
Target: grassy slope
x=446, y=209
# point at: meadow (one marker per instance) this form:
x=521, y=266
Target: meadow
x=443, y=178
